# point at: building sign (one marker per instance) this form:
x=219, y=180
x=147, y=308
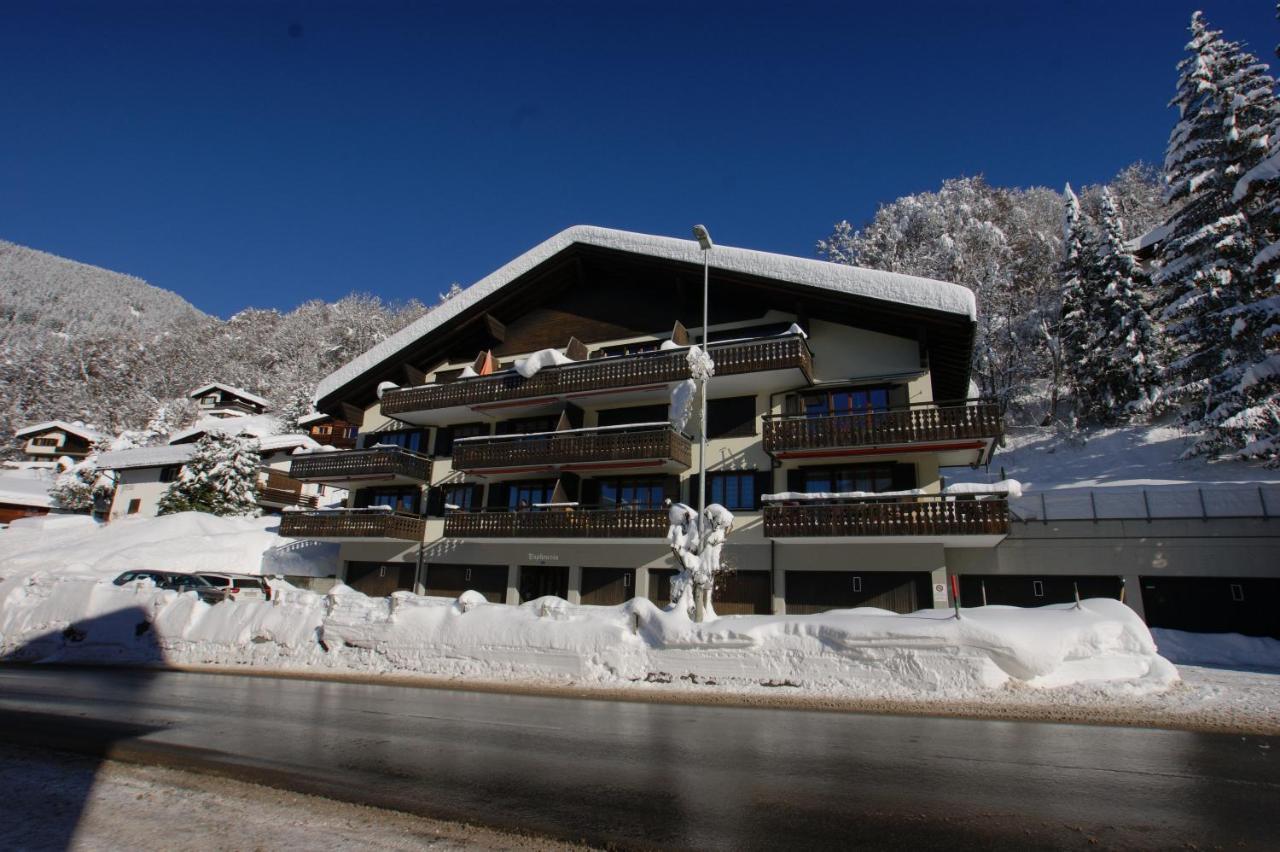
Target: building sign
x=544, y=557
x=939, y=592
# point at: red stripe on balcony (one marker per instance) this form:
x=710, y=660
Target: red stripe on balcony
x=881, y=450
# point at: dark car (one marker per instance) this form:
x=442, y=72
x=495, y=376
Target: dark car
x=157, y=577
x=208, y=592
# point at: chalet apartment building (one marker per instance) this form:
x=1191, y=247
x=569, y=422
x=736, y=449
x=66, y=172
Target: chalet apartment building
x=50, y=441
x=829, y=380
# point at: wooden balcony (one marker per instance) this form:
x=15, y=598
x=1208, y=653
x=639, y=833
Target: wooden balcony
x=277, y=490
x=928, y=517
x=353, y=468
x=655, y=446
x=602, y=374
x=965, y=426
x=558, y=523
x=348, y=524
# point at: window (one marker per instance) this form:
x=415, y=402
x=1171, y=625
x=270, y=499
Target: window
x=46, y=442
x=631, y=493
x=733, y=489
x=400, y=499
x=734, y=417
x=446, y=435
x=466, y=496
x=523, y=495
x=1237, y=592
x=635, y=414
x=414, y=440
x=1037, y=588
x=527, y=425
x=849, y=401
x=169, y=474
x=637, y=348
x=135, y=506
x=863, y=477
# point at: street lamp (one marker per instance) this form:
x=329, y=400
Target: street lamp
x=704, y=242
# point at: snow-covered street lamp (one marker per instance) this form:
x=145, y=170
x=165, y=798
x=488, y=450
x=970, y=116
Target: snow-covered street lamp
x=704, y=242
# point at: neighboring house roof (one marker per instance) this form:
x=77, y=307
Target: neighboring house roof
x=21, y=488
x=889, y=287
x=288, y=442
x=257, y=426
x=77, y=429
x=1146, y=241
x=314, y=417
x=234, y=391
x=161, y=456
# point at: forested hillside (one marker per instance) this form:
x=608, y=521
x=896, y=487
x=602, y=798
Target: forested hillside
x=82, y=343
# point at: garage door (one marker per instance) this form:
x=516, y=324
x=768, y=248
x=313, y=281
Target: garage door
x=608, y=586
x=380, y=579
x=738, y=593
x=1032, y=590
x=449, y=581
x=1212, y=604
x=819, y=591
x=537, y=581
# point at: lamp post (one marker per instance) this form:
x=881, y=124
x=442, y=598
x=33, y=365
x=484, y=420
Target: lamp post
x=704, y=242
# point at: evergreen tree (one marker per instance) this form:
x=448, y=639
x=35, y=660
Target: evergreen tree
x=1077, y=330
x=221, y=478
x=1126, y=356
x=1226, y=103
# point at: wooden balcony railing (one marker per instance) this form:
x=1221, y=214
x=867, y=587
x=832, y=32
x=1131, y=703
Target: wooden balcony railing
x=372, y=464
x=352, y=523
x=279, y=489
x=558, y=523
x=596, y=446
x=897, y=516
x=731, y=357
x=924, y=422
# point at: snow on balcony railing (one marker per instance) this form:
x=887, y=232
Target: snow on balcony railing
x=1149, y=503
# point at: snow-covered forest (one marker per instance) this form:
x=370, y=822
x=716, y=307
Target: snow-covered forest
x=82, y=343
x=1153, y=296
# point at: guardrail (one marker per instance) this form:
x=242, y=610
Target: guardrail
x=573, y=446
x=558, y=523
x=352, y=523
x=1151, y=503
x=897, y=516
x=947, y=421
x=371, y=464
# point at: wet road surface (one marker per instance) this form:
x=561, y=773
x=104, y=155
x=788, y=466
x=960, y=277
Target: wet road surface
x=645, y=775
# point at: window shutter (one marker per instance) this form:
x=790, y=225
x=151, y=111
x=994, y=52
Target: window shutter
x=589, y=492
x=795, y=479
x=498, y=495
x=904, y=476
x=691, y=496
x=764, y=485
x=444, y=442
x=435, y=501
x=791, y=405
x=362, y=499
x=671, y=488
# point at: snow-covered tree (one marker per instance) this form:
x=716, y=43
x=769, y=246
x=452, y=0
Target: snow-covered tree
x=221, y=478
x=1077, y=331
x=1227, y=107
x=696, y=543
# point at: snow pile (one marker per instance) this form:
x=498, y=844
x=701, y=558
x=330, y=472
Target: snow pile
x=529, y=367
x=1218, y=649
x=76, y=545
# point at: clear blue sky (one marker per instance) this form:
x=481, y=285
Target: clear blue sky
x=263, y=153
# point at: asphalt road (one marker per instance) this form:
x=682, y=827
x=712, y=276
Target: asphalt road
x=647, y=775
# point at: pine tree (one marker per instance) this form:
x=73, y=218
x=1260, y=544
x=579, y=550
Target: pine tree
x=1077, y=330
x=220, y=479
x=1226, y=104
x=1127, y=345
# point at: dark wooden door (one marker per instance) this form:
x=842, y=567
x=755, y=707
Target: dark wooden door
x=1028, y=590
x=449, y=581
x=608, y=586
x=743, y=593
x=538, y=581
x=380, y=579
x=660, y=585
x=819, y=591
x=1212, y=604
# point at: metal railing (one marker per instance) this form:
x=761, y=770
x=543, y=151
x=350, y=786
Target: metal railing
x=372, y=464
x=933, y=421
x=660, y=367
x=353, y=523
x=1170, y=502
x=597, y=446
x=926, y=515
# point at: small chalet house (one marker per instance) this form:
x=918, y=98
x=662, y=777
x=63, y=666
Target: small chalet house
x=219, y=400
x=143, y=474
x=832, y=384
x=54, y=439
x=327, y=430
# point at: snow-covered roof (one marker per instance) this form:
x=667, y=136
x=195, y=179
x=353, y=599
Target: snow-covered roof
x=77, y=429
x=1150, y=238
x=287, y=442
x=161, y=456
x=257, y=426
x=231, y=389
x=26, y=487
x=314, y=417
x=855, y=281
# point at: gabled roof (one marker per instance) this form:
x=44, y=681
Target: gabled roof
x=257, y=426
x=77, y=429
x=888, y=287
x=314, y=417
x=234, y=391
x=161, y=456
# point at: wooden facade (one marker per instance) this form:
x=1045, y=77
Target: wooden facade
x=649, y=368
x=929, y=422
x=890, y=516
x=372, y=464
x=352, y=523
x=596, y=447
x=282, y=490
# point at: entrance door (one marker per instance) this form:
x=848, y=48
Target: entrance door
x=1028, y=590
x=538, y=581
x=608, y=586
x=819, y=591
x=660, y=585
x=449, y=581
x=380, y=579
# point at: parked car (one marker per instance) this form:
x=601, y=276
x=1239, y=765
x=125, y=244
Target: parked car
x=208, y=592
x=157, y=577
x=240, y=586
